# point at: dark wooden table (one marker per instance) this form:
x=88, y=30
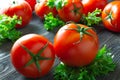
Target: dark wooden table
x=7, y=71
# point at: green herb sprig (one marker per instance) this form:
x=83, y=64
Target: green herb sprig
x=102, y=65
x=51, y=22
x=92, y=18
x=7, y=28
x=58, y=4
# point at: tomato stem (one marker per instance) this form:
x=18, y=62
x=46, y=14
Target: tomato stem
x=81, y=30
x=76, y=9
x=109, y=15
x=35, y=58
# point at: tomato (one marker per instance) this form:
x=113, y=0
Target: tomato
x=32, y=55
x=41, y=9
x=72, y=11
x=76, y=44
x=111, y=16
x=32, y=3
x=17, y=7
x=91, y=5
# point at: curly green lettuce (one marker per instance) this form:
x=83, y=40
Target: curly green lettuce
x=52, y=22
x=7, y=28
x=103, y=64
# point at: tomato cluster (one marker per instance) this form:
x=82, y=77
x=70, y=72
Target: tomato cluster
x=74, y=44
x=71, y=10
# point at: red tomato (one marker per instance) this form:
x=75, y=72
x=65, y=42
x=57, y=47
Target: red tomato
x=17, y=7
x=41, y=9
x=72, y=11
x=32, y=3
x=40, y=53
x=74, y=46
x=111, y=16
x=91, y=5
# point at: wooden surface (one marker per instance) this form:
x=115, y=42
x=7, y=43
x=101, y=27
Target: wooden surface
x=7, y=71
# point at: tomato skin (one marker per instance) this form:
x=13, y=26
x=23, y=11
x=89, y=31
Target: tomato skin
x=20, y=8
x=20, y=57
x=114, y=23
x=67, y=14
x=42, y=9
x=73, y=52
x=91, y=5
x=32, y=3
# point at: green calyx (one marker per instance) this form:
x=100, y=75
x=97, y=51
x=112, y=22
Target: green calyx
x=76, y=10
x=109, y=16
x=35, y=58
x=81, y=30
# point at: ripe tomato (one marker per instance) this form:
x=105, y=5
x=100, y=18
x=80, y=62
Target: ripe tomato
x=76, y=44
x=111, y=16
x=17, y=7
x=32, y=55
x=91, y=5
x=72, y=11
x=32, y=3
x=41, y=9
